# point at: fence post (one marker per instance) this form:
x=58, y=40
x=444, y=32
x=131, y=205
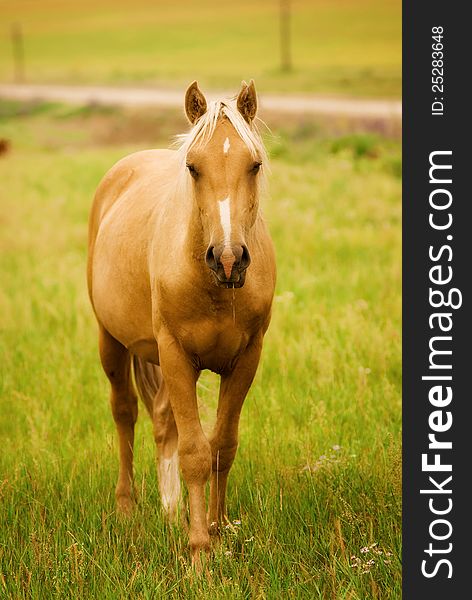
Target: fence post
x=285, y=37
x=18, y=53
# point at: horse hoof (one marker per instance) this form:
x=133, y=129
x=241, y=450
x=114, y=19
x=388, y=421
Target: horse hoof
x=200, y=558
x=124, y=506
x=176, y=517
x=214, y=529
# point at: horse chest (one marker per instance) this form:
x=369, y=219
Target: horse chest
x=213, y=328
x=214, y=345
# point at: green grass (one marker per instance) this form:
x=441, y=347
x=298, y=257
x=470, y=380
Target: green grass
x=339, y=46
x=317, y=476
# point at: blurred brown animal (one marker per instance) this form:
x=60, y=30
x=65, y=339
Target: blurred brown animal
x=5, y=146
x=181, y=276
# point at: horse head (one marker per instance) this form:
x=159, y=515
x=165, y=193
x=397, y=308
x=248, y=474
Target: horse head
x=224, y=158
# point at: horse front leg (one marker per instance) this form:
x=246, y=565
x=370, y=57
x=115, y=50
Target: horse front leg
x=180, y=378
x=224, y=440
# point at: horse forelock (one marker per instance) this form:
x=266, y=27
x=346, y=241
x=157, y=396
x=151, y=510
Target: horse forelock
x=203, y=130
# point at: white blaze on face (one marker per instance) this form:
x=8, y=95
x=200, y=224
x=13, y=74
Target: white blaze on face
x=225, y=218
x=226, y=146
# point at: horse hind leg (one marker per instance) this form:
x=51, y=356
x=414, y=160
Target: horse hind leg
x=116, y=364
x=166, y=437
x=153, y=392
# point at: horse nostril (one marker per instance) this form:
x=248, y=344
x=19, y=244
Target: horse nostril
x=210, y=258
x=245, y=260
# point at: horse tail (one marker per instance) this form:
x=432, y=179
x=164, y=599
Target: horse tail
x=147, y=378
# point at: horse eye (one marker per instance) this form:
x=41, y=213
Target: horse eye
x=256, y=166
x=192, y=170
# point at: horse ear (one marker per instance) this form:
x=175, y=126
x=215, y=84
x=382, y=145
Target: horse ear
x=247, y=100
x=195, y=103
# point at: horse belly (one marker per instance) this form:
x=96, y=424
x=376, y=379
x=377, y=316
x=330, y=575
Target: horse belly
x=126, y=317
x=121, y=298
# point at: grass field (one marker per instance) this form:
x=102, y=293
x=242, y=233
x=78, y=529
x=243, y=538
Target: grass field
x=346, y=47
x=316, y=483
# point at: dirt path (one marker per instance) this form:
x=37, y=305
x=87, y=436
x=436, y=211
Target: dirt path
x=128, y=96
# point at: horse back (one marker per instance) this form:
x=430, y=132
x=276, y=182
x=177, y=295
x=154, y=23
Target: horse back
x=116, y=182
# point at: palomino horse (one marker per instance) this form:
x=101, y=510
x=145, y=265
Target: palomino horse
x=181, y=276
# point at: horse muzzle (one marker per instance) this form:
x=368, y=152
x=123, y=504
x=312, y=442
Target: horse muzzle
x=229, y=264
